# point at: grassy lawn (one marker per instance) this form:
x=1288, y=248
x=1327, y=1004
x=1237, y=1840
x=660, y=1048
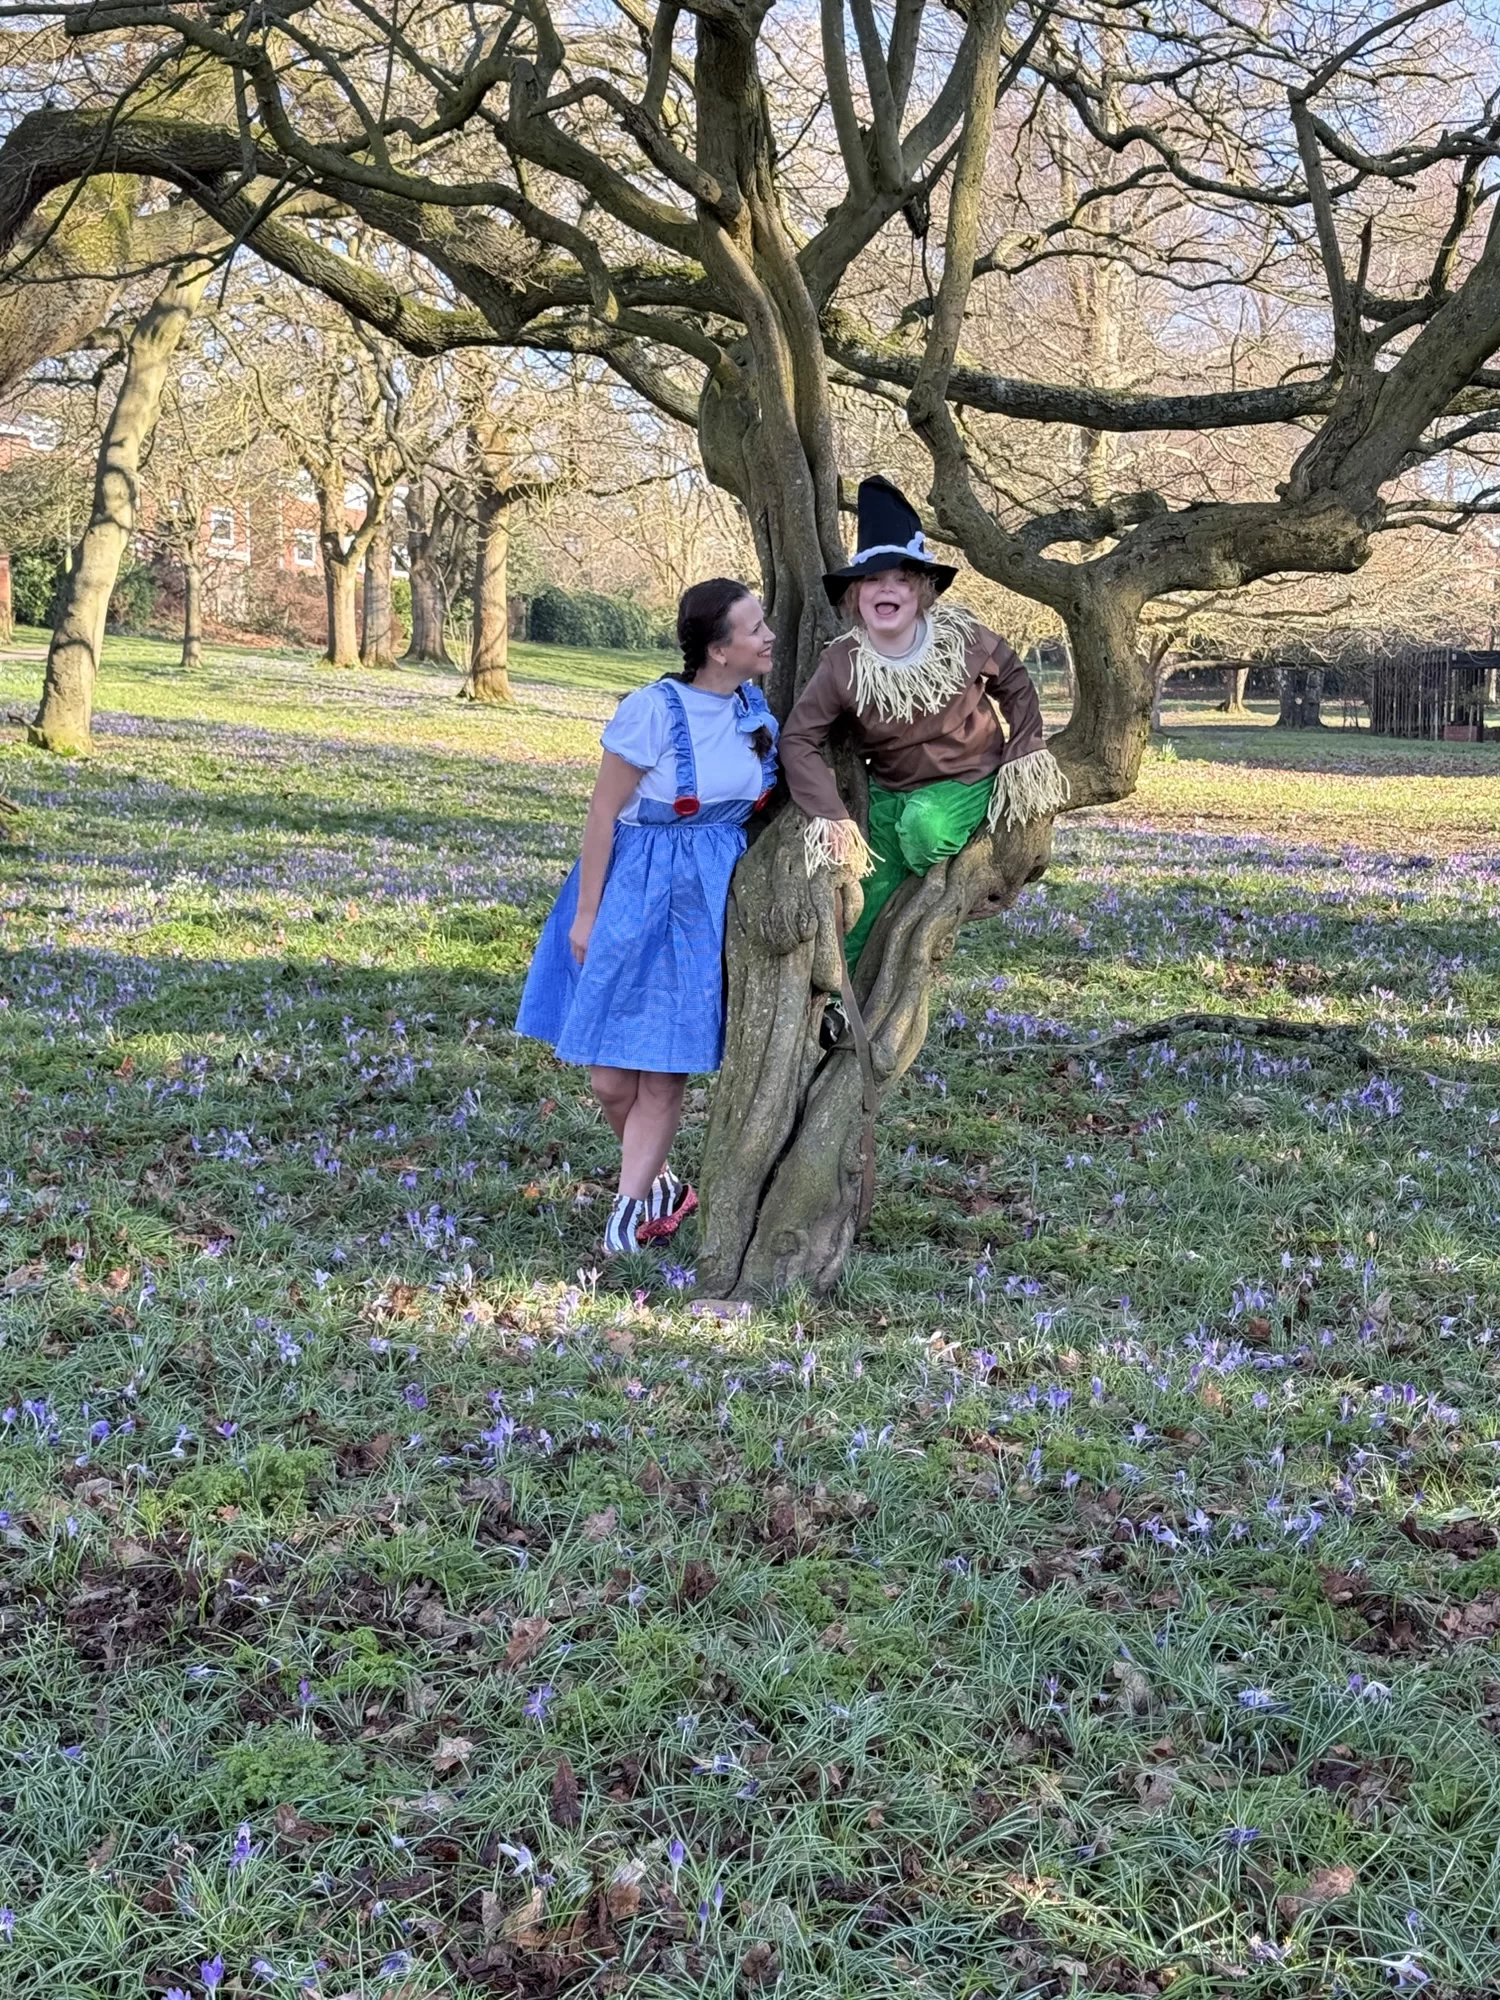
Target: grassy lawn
x=1098, y=1595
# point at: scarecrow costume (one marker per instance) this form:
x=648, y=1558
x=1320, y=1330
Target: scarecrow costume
x=928, y=725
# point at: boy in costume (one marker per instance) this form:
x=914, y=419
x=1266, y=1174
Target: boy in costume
x=925, y=686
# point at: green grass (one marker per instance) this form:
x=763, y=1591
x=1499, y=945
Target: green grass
x=386, y=1589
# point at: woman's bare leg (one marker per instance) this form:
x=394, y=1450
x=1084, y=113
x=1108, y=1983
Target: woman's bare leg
x=650, y=1128
x=616, y=1091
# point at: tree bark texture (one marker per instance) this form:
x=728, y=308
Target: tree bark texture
x=378, y=637
x=7, y=602
x=488, y=678
x=65, y=718
x=192, y=610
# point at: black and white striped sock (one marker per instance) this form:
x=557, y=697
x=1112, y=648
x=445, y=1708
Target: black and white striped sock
x=666, y=1192
x=627, y=1215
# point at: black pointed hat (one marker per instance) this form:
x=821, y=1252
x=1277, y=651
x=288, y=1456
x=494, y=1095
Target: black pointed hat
x=889, y=537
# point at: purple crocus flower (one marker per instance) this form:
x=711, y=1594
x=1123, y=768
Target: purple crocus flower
x=535, y=1706
x=243, y=1846
x=211, y=1970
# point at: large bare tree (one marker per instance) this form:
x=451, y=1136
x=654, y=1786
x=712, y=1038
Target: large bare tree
x=627, y=184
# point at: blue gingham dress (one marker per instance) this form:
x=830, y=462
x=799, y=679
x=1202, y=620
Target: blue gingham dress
x=650, y=992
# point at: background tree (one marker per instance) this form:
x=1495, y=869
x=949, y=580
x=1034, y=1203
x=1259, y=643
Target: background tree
x=1301, y=204
x=335, y=400
x=202, y=451
x=436, y=521
x=65, y=718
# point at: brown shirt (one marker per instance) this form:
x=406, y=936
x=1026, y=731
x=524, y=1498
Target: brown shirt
x=963, y=740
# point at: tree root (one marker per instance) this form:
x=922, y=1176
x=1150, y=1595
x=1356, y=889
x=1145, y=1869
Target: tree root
x=1248, y=1027
x=1338, y=1040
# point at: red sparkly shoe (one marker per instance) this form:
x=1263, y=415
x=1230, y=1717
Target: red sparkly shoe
x=667, y=1225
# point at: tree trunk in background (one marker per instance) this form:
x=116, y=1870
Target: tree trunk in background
x=1161, y=673
x=340, y=584
x=65, y=719
x=427, y=641
x=192, y=609
x=427, y=606
x=1299, y=692
x=1235, y=679
x=7, y=608
x=378, y=642
x=487, y=678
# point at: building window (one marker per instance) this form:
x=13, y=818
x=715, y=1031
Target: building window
x=221, y=527
x=304, y=548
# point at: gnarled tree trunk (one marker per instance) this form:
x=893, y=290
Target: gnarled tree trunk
x=343, y=551
x=378, y=639
x=64, y=720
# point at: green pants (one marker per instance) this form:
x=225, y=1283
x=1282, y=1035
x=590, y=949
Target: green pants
x=911, y=831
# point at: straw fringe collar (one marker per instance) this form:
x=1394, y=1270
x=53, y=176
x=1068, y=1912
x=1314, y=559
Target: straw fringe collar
x=899, y=690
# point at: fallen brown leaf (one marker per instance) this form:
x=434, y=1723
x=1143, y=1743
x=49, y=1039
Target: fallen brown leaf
x=101, y=1854
x=760, y=1965
x=525, y=1642
x=599, y=1527
x=562, y=1806
x=293, y=1829
x=1324, y=1885
x=651, y=1478
x=1155, y=1788
x=450, y=1753
x=525, y=1926
x=162, y=1895
x=698, y=1582
x=622, y=1895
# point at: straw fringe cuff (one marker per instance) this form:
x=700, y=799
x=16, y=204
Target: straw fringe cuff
x=835, y=843
x=1028, y=789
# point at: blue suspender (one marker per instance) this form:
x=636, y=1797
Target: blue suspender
x=756, y=713
x=686, y=802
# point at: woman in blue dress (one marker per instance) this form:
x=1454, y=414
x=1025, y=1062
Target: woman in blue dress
x=628, y=973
